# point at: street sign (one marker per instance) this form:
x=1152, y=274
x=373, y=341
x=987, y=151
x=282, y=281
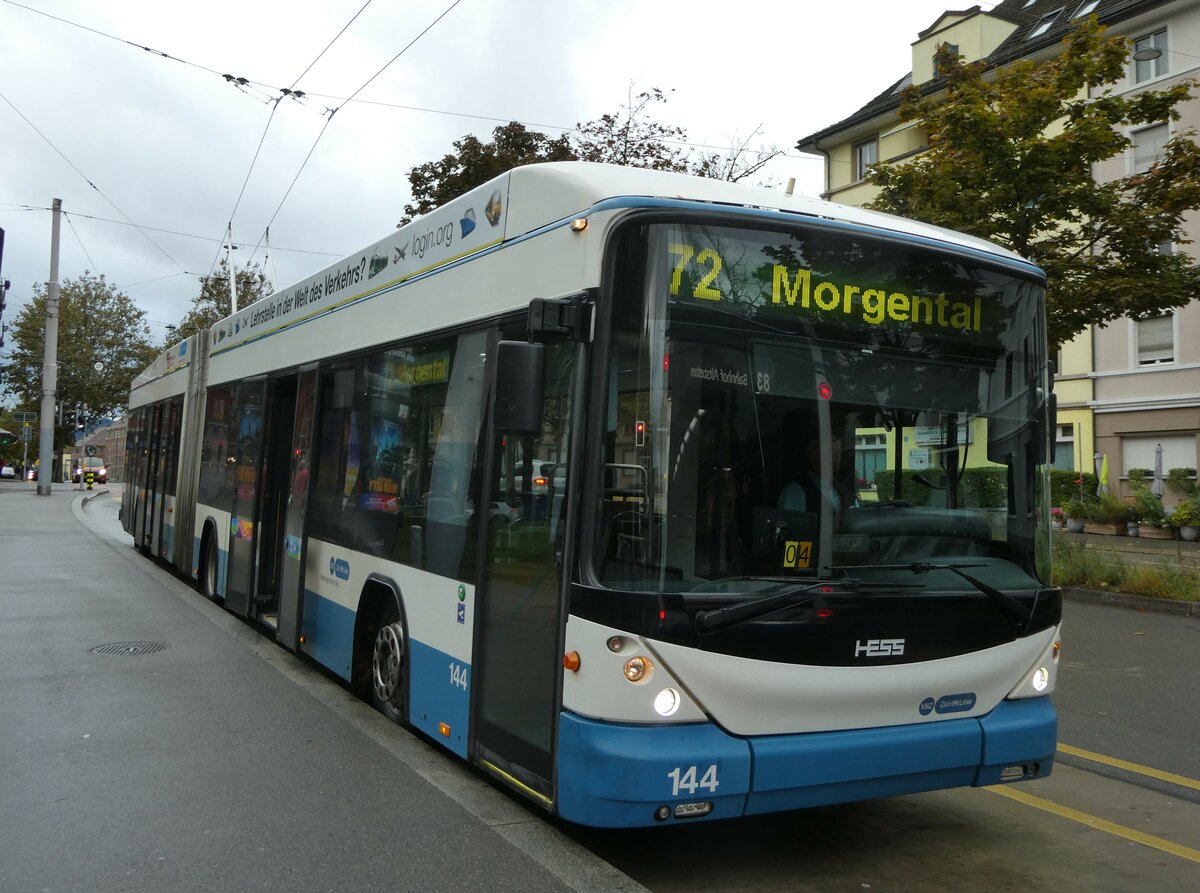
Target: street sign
x=90, y=449
x=25, y=417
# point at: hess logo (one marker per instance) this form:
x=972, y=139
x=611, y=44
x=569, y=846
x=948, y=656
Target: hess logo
x=879, y=648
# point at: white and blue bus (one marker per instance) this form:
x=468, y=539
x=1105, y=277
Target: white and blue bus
x=655, y=497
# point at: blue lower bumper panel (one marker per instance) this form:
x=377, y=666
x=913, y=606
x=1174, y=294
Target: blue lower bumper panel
x=614, y=775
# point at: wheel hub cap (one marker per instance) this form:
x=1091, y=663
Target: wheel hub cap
x=385, y=662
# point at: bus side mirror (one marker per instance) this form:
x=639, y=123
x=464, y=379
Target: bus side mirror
x=520, y=371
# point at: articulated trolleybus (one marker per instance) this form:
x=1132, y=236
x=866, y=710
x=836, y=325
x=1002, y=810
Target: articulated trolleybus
x=655, y=497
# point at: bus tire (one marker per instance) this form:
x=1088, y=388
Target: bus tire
x=389, y=660
x=208, y=567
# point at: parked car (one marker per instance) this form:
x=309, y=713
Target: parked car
x=8, y=471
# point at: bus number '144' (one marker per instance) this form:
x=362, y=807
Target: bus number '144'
x=684, y=780
x=458, y=676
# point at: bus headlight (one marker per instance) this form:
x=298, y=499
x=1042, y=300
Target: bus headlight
x=666, y=702
x=1040, y=678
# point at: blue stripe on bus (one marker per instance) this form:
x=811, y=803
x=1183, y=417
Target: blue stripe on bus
x=617, y=775
x=328, y=631
x=436, y=697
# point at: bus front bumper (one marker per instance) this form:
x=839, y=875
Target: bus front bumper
x=620, y=775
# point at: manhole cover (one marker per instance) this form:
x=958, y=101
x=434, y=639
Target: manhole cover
x=129, y=648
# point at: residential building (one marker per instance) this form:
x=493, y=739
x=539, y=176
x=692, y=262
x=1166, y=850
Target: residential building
x=1126, y=387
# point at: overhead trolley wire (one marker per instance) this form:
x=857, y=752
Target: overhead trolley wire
x=284, y=92
x=335, y=110
x=85, y=178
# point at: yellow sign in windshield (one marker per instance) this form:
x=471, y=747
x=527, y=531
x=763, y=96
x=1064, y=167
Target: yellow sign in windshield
x=700, y=272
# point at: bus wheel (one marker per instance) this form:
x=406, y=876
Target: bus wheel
x=208, y=569
x=387, y=666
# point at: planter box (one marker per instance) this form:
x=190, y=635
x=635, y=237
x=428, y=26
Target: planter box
x=1107, y=529
x=1156, y=533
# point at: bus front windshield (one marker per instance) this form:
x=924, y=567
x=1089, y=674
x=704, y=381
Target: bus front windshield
x=817, y=404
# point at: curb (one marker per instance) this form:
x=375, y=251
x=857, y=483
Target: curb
x=94, y=494
x=1137, y=602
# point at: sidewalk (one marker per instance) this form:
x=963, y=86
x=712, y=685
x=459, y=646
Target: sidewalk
x=1138, y=549
x=151, y=741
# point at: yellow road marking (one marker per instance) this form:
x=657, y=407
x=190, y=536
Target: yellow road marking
x=1099, y=824
x=1181, y=780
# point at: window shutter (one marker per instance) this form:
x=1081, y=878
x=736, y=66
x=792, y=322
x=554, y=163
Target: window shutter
x=1156, y=340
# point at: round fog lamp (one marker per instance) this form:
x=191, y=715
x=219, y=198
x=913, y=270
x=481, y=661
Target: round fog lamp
x=636, y=668
x=666, y=702
x=1041, y=679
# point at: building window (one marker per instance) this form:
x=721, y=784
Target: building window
x=951, y=48
x=1178, y=451
x=866, y=154
x=1044, y=24
x=1155, y=337
x=1086, y=8
x=1147, y=69
x=1148, y=145
x=1064, y=447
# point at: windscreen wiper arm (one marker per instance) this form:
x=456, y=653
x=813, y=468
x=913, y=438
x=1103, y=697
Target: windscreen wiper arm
x=1003, y=599
x=731, y=615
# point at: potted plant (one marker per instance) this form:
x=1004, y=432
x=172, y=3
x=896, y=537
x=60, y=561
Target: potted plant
x=1058, y=518
x=1155, y=522
x=1109, y=514
x=1077, y=512
x=1186, y=517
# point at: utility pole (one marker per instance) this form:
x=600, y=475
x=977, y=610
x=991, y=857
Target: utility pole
x=233, y=308
x=50, y=362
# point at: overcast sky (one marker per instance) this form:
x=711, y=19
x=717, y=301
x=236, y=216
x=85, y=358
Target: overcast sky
x=125, y=136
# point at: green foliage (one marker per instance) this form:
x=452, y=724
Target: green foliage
x=213, y=303
x=1138, y=475
x=1148, y=507
x=1064, y=486
x=629, y=137
x=1078, y=509
x=473, y=163
x=1076, y=564
x=979, y=487
x=1010, y=159
x=1110, y=509
x=1182, y=481
x=1187, y=513
x=103, y=342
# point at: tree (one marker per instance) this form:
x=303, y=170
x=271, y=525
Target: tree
x=630, y=138
x=1010, y=159
x=103, y=342
x=213, y=303
x=474, y=163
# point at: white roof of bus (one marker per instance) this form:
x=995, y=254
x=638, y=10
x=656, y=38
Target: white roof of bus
x=563, y=188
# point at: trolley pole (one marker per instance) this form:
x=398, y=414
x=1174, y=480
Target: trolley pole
x=50, y=362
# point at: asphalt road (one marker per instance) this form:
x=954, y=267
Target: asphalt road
x=1129, y=685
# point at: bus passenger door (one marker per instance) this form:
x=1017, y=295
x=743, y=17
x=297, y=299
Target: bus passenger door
x=291, y=577
x=242, y=526
x=519, y=615
x=153, y=502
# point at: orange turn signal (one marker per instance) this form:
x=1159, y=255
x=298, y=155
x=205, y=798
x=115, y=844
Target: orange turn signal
x=444, y=729
x=571, y=661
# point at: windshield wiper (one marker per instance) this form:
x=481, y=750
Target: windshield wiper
x=731, y=615
x=1003, y=599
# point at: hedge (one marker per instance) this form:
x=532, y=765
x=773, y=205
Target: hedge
x=979, y=487
x=1063, y=487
